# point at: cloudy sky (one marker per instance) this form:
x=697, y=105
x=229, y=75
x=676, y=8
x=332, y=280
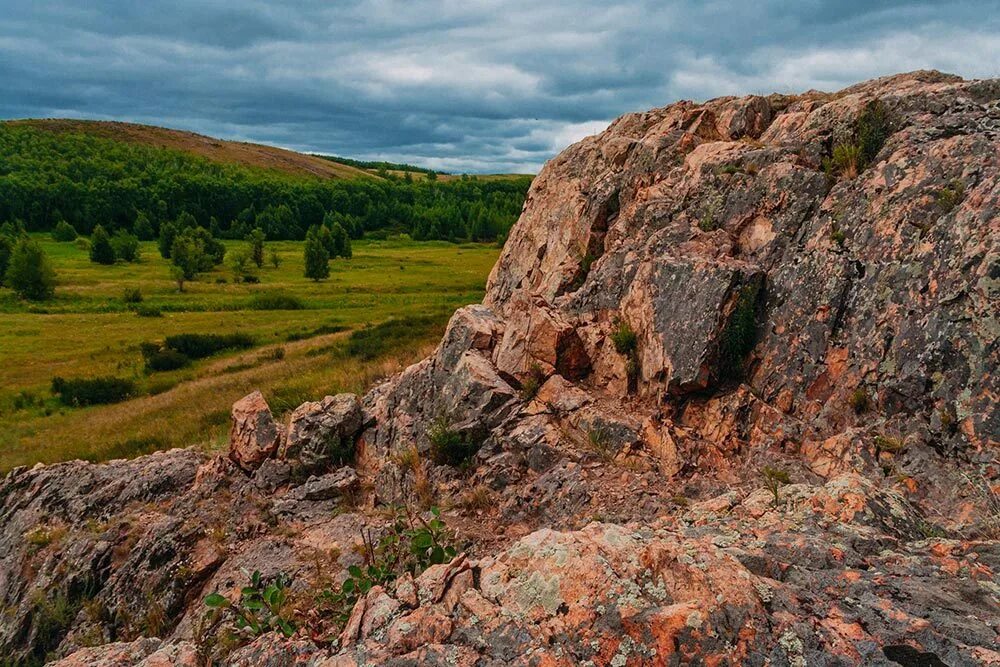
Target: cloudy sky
x=458, y=85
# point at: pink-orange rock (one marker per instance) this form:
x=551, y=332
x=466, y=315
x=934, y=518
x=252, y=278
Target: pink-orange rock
x=255, y=435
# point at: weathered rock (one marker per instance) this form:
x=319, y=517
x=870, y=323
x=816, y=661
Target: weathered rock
x=796, y=462
x=317, y=429
x=255, y=435
x=329, y=486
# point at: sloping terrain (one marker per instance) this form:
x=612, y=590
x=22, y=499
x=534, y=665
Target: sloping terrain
x=217, y=150
x=731, y=399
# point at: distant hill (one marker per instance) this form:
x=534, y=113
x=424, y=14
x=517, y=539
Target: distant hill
x=378, y=165
x=88, y=173
x=217, y=150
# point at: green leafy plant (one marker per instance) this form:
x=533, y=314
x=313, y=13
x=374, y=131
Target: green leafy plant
x=411, y=543
x=774, y=479
x=626, y=343
x=93, y=391
x=132, y=295
x=451, y=447
x=871, y=129
x=262, y=607
x=740, y=333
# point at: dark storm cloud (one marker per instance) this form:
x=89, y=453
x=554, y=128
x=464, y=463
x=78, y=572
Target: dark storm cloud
x=479, y=85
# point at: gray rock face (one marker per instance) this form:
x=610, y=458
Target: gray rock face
x=327, y=487
x=459, y=383
x=255, y=435
x=316, y=430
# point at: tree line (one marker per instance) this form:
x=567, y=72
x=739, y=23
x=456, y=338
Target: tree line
x=47, y=178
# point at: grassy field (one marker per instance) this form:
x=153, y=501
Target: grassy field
x=88, y=330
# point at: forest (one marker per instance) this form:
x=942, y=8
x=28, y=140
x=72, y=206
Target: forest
x=86, y=181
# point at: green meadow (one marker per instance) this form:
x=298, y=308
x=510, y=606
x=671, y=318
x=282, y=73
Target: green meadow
x=393, y=297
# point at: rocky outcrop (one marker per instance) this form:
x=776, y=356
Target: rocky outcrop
x=732, y=400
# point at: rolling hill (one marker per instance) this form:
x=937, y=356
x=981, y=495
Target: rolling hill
x=217, y=150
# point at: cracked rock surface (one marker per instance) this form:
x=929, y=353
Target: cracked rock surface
x=734, y=403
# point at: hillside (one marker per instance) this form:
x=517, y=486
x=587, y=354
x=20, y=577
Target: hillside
x=730, y=399
x=113, y=174
x=218, y=150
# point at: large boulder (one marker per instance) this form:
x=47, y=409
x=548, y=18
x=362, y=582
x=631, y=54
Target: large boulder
x=320, y=430
x=255, y=435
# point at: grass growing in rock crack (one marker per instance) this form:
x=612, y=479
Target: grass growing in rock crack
x=89, y=331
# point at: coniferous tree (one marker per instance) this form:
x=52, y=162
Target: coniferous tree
x=29, y=272
x=64, y=232
x=326, y=238
x=317, y=259
x=341, y=242
x=143, y=228
x=126, y=246
x=168, y=232
x=6, y=250
x=256, y=241
x=101, y=250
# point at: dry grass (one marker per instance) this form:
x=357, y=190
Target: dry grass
x=87, y=331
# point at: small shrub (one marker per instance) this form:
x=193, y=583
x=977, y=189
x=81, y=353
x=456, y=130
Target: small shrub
x=132, y=295
x=199, y=346
x=624, y=338
x=871, y=130
x=148, y=311
x=477, y=498
x=740, y=334
x=889, y=444
x=708, y=223
x=93, y=391
x=601, y=443
x=274, y=354
x=64, y=232
x=262, y=607
x=276, y=301
x=950, y=195
x=838, y=237
x=126, y=246
x=774, y=479
x=627, y=344
x=450, y=447
x=166, y=360
x=728, y=169
x=101, y=250
x=845, y=162
x=859, y=401
x=408, y=459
